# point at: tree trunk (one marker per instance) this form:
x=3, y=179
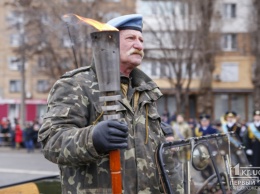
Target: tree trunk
x=205, y=95
x=256, y=53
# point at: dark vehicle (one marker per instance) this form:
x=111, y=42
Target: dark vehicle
x=45, y=185
x=209, y=164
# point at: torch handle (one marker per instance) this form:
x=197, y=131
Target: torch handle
x=115, y=170
x=114, y=158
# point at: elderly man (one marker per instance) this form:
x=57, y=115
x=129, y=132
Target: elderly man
x=74, y=136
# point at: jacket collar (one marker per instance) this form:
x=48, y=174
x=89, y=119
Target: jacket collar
x=140, y=81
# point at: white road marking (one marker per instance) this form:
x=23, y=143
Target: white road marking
x=6, y=170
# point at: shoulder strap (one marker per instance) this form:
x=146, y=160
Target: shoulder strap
x=255, y=132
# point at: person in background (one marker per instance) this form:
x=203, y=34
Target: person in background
x=18, y=134
x=192, y=124
x=172, y=118
x=205, y=127
x=36, y=126
x=167, y=131
x=165, y=116
x=74, y=136
x=252, y=139
x=181, y=129
x=230, y=124
x=5, y=131
x=29, y=137
x=217, y=125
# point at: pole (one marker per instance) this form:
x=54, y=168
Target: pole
x=106, y=58
x=72, y=47
x=23, y=110
x=22, y=72
x=23, y=3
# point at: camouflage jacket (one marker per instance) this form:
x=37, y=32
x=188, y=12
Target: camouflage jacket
x=66, y=135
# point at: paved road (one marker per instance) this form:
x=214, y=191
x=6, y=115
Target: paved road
x=18, y=165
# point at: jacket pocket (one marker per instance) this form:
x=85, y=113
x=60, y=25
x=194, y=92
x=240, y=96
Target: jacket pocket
x=57, y=111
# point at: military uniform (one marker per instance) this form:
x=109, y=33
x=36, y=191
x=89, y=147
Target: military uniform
x=233, y=127
x=252, y=141
x=181, y=130
x=66, y=134
x=207, y=130
x=199, y=131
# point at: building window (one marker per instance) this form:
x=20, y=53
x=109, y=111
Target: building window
x=42, y=62
x=240, y=103
x=43, y=86
x=162, y=8
x=229, y=42
x=229, y=10
x=15, y=40
x=14, y=63
x=66, y=64
x=14, y=18
x=41, y=110
x=151, y=68
x=15, y=86
x=229, y=72
x=13, y=112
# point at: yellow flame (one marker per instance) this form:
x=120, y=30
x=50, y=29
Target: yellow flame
x=98, y=25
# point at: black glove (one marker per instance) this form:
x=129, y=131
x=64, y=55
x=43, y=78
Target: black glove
x=110, y=135
x=167, y=129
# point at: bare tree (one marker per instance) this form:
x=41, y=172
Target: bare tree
x=255, y=48
x=208, y=47
x=58, y=46
x=181, y=34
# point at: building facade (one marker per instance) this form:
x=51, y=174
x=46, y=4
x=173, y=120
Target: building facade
x=232, y=76
x=232, y=85
x=35, y=79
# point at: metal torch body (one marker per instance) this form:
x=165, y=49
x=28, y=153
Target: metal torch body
x=106, y=57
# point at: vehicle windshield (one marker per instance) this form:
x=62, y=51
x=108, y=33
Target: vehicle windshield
x=208, y=164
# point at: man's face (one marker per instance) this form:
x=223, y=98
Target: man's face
x=131, y=48
x=231, y=119
x=179, y=119
x=257, y=118
x=204, y=122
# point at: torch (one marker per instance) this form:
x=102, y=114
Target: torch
x=105, y=44
x=106, y=56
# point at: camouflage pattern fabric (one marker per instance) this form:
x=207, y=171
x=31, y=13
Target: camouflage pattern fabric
x=66, y=135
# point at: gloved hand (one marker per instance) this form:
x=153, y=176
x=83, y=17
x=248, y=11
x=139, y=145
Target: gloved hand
x=110, y=135
x=167, y=129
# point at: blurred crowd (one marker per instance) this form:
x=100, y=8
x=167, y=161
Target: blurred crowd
x=246, y=133
x=11, y=134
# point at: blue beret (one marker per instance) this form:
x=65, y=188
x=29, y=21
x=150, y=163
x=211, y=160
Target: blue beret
x=132, y=21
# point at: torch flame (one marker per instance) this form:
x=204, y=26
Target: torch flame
x=98, y=25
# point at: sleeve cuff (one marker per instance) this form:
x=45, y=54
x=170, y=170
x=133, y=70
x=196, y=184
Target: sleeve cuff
x=90, y=147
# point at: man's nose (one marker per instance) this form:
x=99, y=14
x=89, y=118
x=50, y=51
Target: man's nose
x=138, y=45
